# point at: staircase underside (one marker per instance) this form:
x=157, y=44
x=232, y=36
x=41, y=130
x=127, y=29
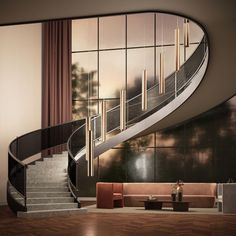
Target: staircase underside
x=147, y=125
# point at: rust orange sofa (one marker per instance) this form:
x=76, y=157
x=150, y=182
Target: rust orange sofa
x=109, y=195
x=200, y=195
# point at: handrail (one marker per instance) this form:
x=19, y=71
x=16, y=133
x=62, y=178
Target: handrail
x=60, y=134
x=184, y=80
x=20, y=149
x=138, y=96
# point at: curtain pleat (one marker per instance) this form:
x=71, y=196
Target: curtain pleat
x=56, y=81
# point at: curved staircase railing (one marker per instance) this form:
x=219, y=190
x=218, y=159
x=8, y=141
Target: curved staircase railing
x=25, y=146
x=73, y=133
x=176, y=83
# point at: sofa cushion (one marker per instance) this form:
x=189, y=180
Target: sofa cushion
x=199, y=189
x=117, y=196
x=198, y=194
x=200, y=201
x=147, y=188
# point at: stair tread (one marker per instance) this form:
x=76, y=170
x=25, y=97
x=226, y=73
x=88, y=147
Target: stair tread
x=30, y=198
x=49, y=213
x=51, y=203
x=49, y=187
x=48, y=192
x=57, y=210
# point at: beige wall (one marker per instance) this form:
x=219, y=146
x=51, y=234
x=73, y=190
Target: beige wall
x=218, y=18
x=20, y=88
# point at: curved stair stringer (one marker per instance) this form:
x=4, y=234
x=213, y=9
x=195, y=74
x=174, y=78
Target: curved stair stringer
x=153, y=119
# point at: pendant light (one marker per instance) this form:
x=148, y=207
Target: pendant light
x=177, y=48
x=144, y=74
x=89, y=147
x=103, y=120
x=162, y=77
x=161, y=68
x=122, y=109
x=89, y=137
x=144, y=90
x=186, y=32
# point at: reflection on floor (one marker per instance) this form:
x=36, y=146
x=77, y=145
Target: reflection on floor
x=165, y=210
x=103, y=224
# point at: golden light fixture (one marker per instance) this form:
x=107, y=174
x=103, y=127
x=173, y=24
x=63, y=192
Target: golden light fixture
x=162, y=87
x=177, y=50
x=103, y=120
x=122, y=109
x=144, y=90
x=186, y=32
x=89, y=147
x=162, y=75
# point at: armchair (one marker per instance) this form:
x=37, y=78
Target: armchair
x=109, y=195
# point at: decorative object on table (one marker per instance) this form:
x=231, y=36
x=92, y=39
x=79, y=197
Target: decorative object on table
x=179, y=189
x=151, y=198
x=174, y=192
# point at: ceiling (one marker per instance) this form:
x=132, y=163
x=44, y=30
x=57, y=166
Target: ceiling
x=216, y=16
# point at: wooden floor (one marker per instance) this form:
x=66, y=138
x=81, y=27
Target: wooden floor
x=101, y=224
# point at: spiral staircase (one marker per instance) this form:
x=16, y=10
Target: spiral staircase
x=50, y=185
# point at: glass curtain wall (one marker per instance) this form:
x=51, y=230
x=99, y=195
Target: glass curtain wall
x=110, y=53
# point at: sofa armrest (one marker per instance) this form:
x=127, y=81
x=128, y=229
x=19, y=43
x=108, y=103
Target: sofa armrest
x=104, y=194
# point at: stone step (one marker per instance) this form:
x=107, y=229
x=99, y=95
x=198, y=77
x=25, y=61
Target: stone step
x=49, y=189
x=46, y=179
x=51, y=206
x=50, y=213
x=48, y=194
x=47, y=168
x=47, y=171
x=46, y=184
x=51, y=163
x=47, y=200
x=62, y=156
x=60, y=160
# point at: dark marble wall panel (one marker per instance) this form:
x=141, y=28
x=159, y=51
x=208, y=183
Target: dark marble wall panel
x=112, y=165
x=173, y=137
x=225, y=164
x=140, y=165
x=169, y=164
x=200, y=150
x=86, y=185
x=198, y=165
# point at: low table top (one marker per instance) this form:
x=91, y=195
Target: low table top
x=165, y=201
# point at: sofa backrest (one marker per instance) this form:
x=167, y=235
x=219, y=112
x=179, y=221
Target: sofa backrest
x=199, y=189
x=166, y=188
x=118, y=188
x=147, y=188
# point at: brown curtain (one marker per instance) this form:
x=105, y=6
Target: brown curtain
x=56, y=86
x=56, y=82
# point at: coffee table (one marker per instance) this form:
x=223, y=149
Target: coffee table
x=152, y=205
x=157, y=205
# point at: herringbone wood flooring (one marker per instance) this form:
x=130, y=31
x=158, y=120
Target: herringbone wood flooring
x=101, y=224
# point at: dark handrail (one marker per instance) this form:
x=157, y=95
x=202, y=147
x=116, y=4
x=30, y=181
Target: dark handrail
x=42, y=139
x=30, y=144
x=170, y=79
x=184, y=77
